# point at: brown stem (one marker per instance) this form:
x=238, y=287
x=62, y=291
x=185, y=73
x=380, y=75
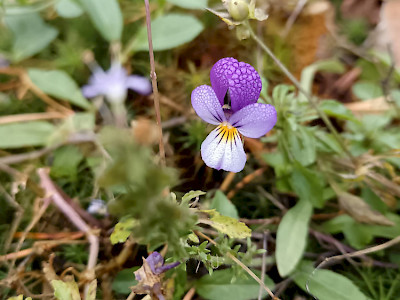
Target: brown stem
x=153, y=76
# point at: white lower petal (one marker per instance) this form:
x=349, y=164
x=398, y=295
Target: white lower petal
x=223, y=149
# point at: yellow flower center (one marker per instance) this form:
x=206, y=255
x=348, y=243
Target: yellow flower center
x=227, y=132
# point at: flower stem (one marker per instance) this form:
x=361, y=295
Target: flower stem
x=310, y=98
x=153, y=76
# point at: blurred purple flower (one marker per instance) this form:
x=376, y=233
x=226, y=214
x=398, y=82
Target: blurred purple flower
x=223, y=147
x=150, y=276
x=156, y=264
x=114, y=83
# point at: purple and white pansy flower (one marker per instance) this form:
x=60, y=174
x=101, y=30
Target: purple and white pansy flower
x=240, y=83
x=114, y=83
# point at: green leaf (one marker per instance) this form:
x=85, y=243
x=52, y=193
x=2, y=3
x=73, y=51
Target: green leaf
x=190, y=4
x=169, y=31
x=25, y=134
x=66, y=161
x=292, y=236
x=325, y=284
x=219, y=286
x=124, y=280
x=302, y=145
x=307, y=185
x=308, y=73
x=190, y=195
x=19, y=297
x=336, y=109
x=31, y=34
x=229, y=226
x=58, y=84
x=222, y=205
x=366, y=90
x=106, y=16
x=68, y=8
x=122, y=230
x=65, y=290
x=327, y=143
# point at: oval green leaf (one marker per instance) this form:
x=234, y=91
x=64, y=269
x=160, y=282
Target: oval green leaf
x=325, y=284
x=58, y=84
x=17, y=135
x=169, y=31
x=106, y=16
x=291, y=237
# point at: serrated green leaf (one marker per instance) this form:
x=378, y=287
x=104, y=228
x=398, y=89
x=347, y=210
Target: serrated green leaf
x=219, y=286
x=106, y=16
x=169, y=31
x=291, y=237
x=31, y=34
x=58, y=84
x=229, y=226
x=65, y=290
x=307, y=185
x=122, y=230
x=222, y=205
x=190, y=4
x=17, y=135
x=325, y=284
x=190, y=195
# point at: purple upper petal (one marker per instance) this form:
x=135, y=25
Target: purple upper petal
x=223, y=150
x=139, y=84
x=254, y=120
x=207, y=106
x=241, y=79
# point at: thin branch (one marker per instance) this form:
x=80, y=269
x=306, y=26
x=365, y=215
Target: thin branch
x=72, y=215
x=153, y=76
x=263, y=264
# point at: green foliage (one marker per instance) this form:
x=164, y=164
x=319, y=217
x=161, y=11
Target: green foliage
x=365, y=90
x=65, y=290
x=169, y=31
x=106, y=16
x=58, y=84
x=66, y=161
x=223, y=285
x=190, y=4
x=34, y=133
x=291, y=237
x=325, y=284
x=68, y=8
x=159, y=219
x=196, y=132
x=76, y=253
x=223, y=205
x=31, y=34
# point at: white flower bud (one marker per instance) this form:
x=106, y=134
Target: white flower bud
x=238, y=10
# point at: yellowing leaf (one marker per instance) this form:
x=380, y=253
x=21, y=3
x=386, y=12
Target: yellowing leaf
x=65, y=290
x=122, y=230
x=229, y=226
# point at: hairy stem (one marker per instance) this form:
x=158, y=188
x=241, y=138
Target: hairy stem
x=153, y=76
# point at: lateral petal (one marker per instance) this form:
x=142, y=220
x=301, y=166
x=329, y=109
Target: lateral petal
x=207, y=106
x=254, y=120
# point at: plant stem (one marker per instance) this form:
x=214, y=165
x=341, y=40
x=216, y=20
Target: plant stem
x=153, y=76
x=297, y=84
